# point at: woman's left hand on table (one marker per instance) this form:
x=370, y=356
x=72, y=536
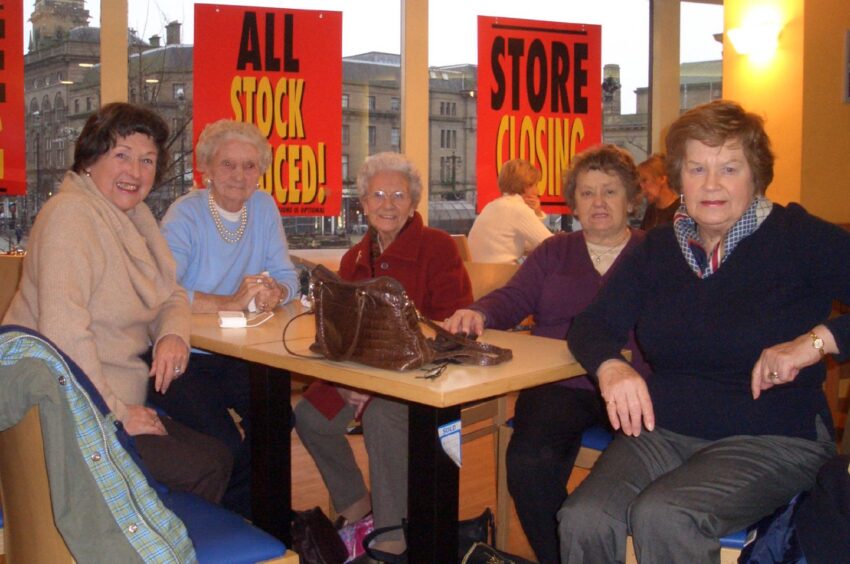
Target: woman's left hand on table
x=169, y=361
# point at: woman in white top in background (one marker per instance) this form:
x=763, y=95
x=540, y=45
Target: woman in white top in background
x=511, y=226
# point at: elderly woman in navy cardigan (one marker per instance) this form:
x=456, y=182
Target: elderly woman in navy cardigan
x=557, y=281
x=427, y=264
x=731, y=307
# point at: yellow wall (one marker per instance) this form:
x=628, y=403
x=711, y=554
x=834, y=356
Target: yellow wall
x=826, y=118
x=799, y=93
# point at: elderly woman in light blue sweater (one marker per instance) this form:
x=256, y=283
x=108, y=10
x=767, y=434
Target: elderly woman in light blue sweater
x=231, y=250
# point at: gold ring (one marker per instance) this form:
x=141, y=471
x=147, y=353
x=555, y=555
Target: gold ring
x=609, y=402
x=773, y=376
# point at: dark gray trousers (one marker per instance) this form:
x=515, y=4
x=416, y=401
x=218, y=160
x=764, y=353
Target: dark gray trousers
x=677, y=495
x=385, y=435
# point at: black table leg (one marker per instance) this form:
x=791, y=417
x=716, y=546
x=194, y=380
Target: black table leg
x=433, y=488
x=271, y=456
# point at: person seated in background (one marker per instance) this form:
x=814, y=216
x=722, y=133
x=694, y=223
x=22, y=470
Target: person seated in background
x=556, y=282
x=427, y=264
x=731, y=304
x=231, y=250
x=512, y=225
x=662, y=202
x=99, y=281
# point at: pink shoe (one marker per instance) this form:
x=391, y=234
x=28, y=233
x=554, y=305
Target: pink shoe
x=352, y=536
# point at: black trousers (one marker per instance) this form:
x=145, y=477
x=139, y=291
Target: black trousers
x=200, y=399
x=548, y=423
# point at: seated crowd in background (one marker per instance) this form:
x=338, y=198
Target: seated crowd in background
x=512, y=225
x=661, y=201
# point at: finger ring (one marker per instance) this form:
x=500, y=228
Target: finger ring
x=773, y=376
x=609, y=402
x=259, y=280
x=177, y=370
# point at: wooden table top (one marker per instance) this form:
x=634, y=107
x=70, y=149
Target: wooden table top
x=536, y=361
x=207, y=335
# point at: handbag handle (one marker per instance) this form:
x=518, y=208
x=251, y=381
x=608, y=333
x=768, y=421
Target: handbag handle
x=283, y=337
x=361, y=305
x=482, y=354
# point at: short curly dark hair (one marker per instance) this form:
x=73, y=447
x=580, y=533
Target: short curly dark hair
x=609, y=159
x=119, y=119
x=714, y=124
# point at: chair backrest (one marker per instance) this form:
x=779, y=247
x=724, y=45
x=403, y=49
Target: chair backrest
x=486, y=277
x=462, y=246
x=29, y=530
x=10, y=275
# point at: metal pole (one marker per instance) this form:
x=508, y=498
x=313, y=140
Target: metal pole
x=37, y=170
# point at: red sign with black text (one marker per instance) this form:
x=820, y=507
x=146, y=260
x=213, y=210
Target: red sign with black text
x=539, y=98
x=280, y=69
x=13, y=159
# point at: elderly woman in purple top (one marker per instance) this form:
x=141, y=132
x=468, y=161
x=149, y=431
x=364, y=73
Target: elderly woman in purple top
x=557, y=281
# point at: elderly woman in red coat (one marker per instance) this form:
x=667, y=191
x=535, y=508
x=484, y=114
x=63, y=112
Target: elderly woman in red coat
x=427, y=264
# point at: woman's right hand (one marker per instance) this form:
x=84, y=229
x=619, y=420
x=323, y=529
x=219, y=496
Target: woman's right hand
x=626, y=397
x=533, y=202
x=141, y=420
x=356, y=399
x=248, y=290
x=466, y=321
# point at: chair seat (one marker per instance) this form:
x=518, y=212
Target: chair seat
x=596, y=437
x=734, y=540
x=220, y=535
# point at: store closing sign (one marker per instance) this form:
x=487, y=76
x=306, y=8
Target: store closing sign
x=13, y=174
x=265, y=66
x=539, y=99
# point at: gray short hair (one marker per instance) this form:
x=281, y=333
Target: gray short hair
x=390, y=162
x=222, y=130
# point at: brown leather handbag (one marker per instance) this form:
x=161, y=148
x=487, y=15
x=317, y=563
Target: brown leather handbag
x=373, y=322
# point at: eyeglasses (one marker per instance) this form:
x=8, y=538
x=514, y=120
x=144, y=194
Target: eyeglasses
x=380, y=196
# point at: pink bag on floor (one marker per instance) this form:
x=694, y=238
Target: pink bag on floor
x=352, y=536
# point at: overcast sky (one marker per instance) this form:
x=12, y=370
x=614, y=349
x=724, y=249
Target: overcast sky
x=452, y=25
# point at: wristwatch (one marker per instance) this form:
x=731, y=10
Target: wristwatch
x=817, y=343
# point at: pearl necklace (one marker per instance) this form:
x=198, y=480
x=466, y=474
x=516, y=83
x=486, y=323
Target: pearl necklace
x=229, y=236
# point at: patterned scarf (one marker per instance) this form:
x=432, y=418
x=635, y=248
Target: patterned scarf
x=705, y=263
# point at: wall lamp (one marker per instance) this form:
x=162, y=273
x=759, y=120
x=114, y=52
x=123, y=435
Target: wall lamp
x=758, y=35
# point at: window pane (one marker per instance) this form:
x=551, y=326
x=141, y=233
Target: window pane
x=701, y=53
x=61, y=85
x=453, y=59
